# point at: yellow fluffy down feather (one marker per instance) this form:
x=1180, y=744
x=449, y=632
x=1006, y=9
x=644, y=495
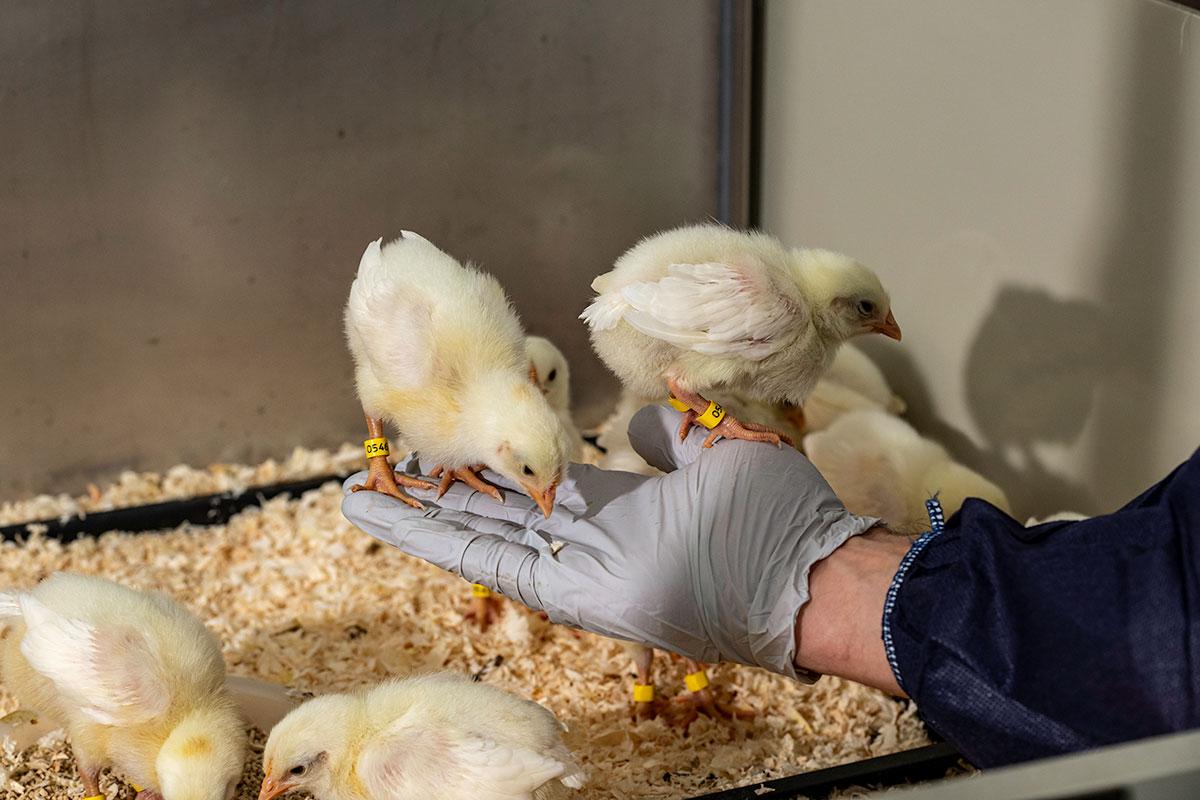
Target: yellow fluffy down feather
x=880, y=467
x=435, y=737
x=136, y=680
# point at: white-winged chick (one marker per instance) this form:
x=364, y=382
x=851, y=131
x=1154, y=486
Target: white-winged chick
x=439, y=352
x=879, y=466
x=701, y=308
x=434, y=737
x=136, y=680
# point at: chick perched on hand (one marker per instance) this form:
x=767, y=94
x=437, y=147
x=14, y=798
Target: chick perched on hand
x=549, y=371
x=878, y=466
x=706, y=308
x=436, y=737
x=136, y=680
x=439, y=352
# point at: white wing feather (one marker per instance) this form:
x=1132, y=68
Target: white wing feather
x=407, y=760
x=710, y=308
x=379, y=302
x=111, y=673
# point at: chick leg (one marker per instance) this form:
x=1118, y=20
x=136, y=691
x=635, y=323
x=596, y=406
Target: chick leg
x=702, y=699
x=90, y=775
x=645, y=705
x=148, y=794
x=728, y=427
x=469, y=476
x=382, y=478
x=485, y=606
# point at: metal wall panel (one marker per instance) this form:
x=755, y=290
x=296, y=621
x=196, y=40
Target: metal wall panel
x=186, y=188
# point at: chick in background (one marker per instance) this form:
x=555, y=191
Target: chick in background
x=550, y=372
x=439, y=352
x=435, y=737
x=136, y=680
x=878, y=466
x=704, y=309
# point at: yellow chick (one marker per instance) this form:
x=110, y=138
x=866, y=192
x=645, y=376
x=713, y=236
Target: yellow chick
x=137, y=682
x=879, y=466
x=439, y=352
x=549, y=371
x=704, y=308
x=435, y=737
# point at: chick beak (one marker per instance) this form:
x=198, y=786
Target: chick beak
x=544, y=500
x=272, y=788
x=888, y=327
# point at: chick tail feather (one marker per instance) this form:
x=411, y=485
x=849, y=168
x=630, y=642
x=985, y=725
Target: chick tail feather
x=605, y=312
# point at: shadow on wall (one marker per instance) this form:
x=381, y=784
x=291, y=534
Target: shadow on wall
x=1031, y=378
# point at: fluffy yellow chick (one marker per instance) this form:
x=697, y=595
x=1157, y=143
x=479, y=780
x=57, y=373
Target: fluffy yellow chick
x=137, y=682
x=703, y=308
x=879, y=466
x=435, y=737
x=549, y=371
x=439, y=352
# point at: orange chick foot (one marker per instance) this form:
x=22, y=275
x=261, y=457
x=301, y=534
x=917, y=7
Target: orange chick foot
x=705, y=702
x=732, y=428
x=383, y=479
x=467, y=475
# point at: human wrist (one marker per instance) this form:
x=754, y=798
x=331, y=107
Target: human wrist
x=838, y=629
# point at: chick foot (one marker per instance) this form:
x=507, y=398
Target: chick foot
x=728, y=427
x=467, y=475
x=90, y=776
x=485, y=607
x=148, y=794
x=702, y=699
x=383, y=479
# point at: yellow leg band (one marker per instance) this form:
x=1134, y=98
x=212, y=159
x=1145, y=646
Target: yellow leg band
x=376, y=447
x=643, y=692
x=677, y=404
x=479, y=590
x=136, y=788
x=712, y=415
x=696, y=681
x=95, y=797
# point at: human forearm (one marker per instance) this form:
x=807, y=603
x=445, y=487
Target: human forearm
x=838, y=629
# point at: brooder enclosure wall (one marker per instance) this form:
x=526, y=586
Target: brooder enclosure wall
x=186, y=189
x=1026, y=178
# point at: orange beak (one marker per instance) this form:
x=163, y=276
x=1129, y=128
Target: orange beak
x=888, y=327
x=544, y=500
x=272, y=789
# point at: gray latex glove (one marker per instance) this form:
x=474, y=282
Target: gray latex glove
x=710, y=560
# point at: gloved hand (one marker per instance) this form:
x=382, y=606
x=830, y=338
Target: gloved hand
x=710, y=560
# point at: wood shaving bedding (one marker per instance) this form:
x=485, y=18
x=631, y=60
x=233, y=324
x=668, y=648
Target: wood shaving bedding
x=300, y=597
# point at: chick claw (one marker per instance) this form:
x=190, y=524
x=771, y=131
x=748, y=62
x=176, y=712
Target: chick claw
x=383, y=479
x=706, y=702
x=731, y=428
x=469, y=476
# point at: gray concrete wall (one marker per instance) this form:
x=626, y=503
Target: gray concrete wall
x=1026, y=178
x=186, y=188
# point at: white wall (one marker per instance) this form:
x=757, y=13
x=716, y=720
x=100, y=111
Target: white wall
x=1025, y=176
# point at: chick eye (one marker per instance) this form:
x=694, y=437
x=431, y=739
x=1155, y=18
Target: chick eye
x=297, y=770
x=527, y=470
x=553, y=374
x=866, y=308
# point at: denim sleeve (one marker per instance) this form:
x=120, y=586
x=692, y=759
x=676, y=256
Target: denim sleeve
x=1020, y=643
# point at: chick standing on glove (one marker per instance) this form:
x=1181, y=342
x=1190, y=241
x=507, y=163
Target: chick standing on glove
x=436, y=737
x=705, y=308
x=137, y=681
x=439, y=352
